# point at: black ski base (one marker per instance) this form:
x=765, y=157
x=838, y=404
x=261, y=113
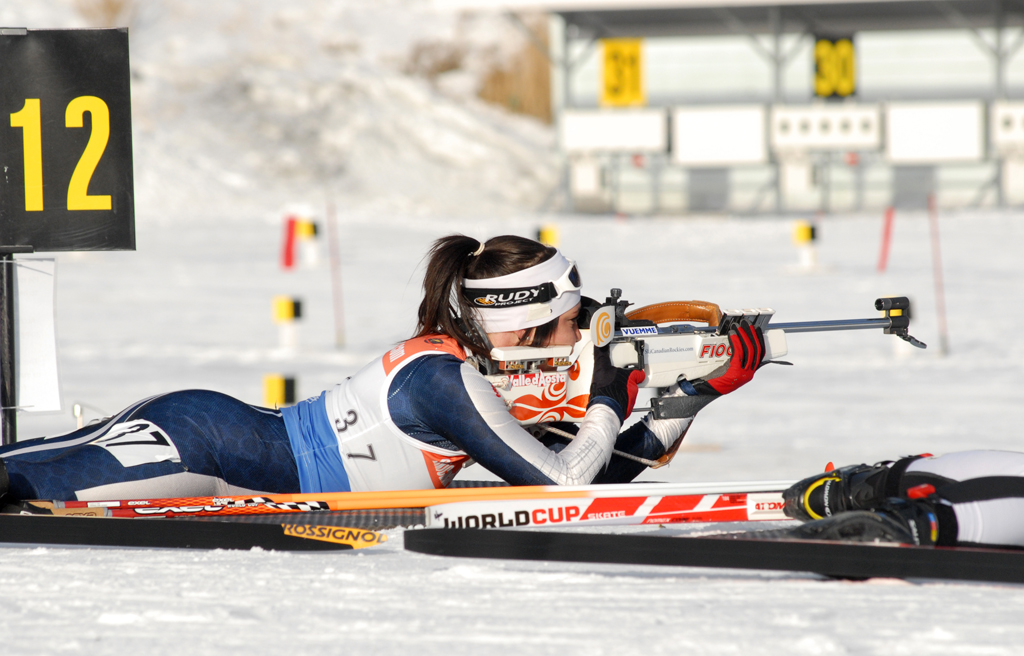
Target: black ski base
x=834, y=559
x=376, y=520
x=153, y=533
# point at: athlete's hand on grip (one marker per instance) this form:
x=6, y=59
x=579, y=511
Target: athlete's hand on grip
x=614, y=387
x=747, y=352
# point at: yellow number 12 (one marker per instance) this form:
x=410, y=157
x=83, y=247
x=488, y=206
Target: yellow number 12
x=32, y=143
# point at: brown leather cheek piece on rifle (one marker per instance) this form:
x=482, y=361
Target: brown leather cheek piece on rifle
x=673, y=312
x=667, y=458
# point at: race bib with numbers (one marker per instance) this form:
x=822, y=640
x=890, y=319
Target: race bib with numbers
x=137, y=443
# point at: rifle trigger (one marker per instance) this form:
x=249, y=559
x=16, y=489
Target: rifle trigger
x=789, y=364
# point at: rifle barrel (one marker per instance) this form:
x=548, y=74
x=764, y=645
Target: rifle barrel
x=793, y=327
x=824, y=326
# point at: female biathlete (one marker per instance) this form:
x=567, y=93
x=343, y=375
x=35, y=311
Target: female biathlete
x=408, y=420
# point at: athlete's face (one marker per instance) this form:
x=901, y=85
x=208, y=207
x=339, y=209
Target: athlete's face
x=567, y=332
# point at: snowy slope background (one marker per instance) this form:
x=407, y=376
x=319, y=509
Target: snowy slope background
x=240, y=107
x=244, y=110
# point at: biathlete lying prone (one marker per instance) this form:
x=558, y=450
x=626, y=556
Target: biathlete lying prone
x=408, y=420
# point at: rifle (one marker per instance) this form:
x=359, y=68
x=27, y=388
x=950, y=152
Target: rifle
x=552, y=384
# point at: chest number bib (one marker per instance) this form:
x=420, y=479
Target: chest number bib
x=350, y=418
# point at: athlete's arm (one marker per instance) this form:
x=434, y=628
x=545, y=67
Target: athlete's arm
x=443, y=399
x=648, y=439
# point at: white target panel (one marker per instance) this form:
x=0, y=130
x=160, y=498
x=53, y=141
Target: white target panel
x=1007, y=127
x=585, y=178
x=614, y=131
x=933, y=133
x=719, y=135
x=826, y=127
x=35, y=335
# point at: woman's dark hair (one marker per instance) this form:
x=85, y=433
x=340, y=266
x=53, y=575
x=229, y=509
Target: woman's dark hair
x=450, y=261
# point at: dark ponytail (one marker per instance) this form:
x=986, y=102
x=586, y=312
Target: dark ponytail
x=450, y=260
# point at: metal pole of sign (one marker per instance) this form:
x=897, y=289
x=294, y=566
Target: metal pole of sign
x=8, y=402
x=8, y=379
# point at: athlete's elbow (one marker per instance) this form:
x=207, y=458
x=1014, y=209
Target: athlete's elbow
x=573, y=479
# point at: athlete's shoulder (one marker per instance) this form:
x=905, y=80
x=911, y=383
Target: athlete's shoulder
x=439, y=376
x=429, y=344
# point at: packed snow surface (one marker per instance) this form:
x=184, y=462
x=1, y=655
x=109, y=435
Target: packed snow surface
x=191, y=308
x=241, y=114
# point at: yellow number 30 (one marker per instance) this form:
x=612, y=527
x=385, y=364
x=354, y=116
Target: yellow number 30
x=836, y=68
x=28, y=119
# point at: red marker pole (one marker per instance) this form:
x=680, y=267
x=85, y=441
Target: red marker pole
x=288, y=254
x=940, y=293
x=883, y=257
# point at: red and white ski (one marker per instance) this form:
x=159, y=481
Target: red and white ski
x=639, y=509
x=626, y=503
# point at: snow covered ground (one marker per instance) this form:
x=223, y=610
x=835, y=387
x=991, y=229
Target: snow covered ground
x=192, y=306
x=386, y=601
x=217, y=164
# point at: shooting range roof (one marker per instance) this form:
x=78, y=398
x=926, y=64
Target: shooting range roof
x=611, y=18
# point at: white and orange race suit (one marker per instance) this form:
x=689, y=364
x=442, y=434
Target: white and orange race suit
x=413, y=418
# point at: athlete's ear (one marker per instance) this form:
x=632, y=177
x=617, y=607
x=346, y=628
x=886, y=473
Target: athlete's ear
x=521, y=335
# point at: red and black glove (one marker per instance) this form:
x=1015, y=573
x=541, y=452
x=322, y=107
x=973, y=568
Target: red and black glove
x=614, y=387
x=747, y=352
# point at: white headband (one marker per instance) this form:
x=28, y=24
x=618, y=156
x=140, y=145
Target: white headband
x=519, y=312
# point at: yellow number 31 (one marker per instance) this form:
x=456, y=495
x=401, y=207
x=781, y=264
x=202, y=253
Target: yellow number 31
x=78, y=190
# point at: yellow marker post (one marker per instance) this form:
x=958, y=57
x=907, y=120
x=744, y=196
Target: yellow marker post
x=803, y=233
x=305, y=229
x=285, y=311
x=278, y=390
x=548, y=235
x=307, y=243
x=804, y=236
x=622, y=74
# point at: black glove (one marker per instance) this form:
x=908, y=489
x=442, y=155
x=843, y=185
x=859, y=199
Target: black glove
x=614, y=387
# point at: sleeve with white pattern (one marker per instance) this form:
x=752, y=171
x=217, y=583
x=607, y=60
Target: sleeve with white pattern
x=669, y=431
x=577, y=464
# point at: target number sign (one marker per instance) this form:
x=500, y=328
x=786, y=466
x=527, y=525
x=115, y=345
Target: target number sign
x=66, y=140
x=835, y=68
x=622, y=82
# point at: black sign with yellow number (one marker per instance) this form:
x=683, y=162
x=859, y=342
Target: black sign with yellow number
x=66, y=140
x=835, y=67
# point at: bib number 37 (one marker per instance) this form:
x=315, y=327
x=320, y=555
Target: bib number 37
x=137, y=443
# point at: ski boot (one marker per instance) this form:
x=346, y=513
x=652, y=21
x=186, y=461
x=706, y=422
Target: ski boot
x=855, y=487
x=896, y=520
